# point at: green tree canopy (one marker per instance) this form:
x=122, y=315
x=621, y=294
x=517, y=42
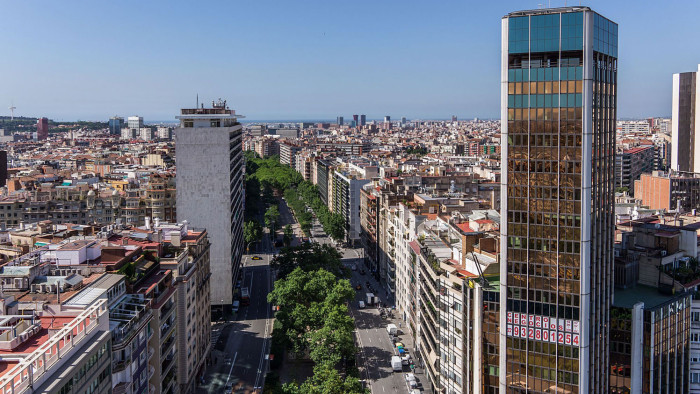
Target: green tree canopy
x=288, y=235
x=326, y=380
x=309, y=257
x=272, y=216
x=252, y=232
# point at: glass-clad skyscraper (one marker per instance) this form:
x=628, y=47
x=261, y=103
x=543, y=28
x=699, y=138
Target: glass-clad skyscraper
x=558, y=110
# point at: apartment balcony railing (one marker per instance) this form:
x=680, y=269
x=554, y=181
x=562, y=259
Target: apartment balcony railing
x=167, y=363
x=33, y=367
x=120, y=365
x=166, y=345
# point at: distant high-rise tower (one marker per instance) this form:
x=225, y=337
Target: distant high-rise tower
x=115, y=125
x=210, y=188
x=387, y=122
x=42, y=129
x=403, y=120
x=356, y=119
x=135, y=122
x=685, y=122
x=339, y=120
x=363, y=120
x=3, y=168
x=454, y=118
x=558, y=113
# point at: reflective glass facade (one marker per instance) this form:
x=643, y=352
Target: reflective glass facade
x=559, y=111
x=664, y=349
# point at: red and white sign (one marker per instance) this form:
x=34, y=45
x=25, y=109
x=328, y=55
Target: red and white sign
x=543, y=328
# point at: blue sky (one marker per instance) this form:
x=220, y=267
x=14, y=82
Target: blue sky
x=304, y=59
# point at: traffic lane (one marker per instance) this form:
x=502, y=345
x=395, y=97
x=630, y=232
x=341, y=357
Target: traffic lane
x=250, y=345
x=376, y=351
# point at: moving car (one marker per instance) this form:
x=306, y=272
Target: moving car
x=236, y=306
x=361, y=304
x=257, y=258
x=358, y=287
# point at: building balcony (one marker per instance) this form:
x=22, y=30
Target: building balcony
x=151, y=371
x=166, y=309
x=167, y=363
x=168, y=381
x=121, y=388
x=167, y=344
x=120, y=365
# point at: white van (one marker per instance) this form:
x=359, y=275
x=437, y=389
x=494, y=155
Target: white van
x=236, y=305
x=396, y=364
x=361, y=304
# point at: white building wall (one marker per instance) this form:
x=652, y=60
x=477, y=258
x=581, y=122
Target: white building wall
x=204, y=198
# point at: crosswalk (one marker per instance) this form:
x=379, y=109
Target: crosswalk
x=216, y=334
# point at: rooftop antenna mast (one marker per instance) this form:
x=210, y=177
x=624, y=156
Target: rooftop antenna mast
x=197, y=106
x=12, y=111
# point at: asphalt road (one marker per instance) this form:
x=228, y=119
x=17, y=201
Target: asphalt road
x=375, y=347
x=241, y=351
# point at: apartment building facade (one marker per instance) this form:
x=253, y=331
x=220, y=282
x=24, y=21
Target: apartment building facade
x=210, y=169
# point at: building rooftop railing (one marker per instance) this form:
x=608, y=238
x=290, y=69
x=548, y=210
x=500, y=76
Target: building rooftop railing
x=31, y=369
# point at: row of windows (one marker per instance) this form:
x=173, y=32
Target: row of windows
x=545, y=166
x=551, y=87
x=569, y=100
x=546, y=219
x=544, y=296
x=544, y=245
x=563, y=73
x=553, y=114
x=543, y=309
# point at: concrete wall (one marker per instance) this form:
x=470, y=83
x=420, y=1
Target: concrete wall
x=204, y=197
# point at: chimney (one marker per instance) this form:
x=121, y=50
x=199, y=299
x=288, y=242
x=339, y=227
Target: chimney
x=148, y=223
x=175, y=239
x=157, y=222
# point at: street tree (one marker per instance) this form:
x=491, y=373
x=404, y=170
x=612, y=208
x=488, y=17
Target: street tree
x=309, y=257
x=288, y=235
x=335, y=226
x=252, y=232
x=272, y=216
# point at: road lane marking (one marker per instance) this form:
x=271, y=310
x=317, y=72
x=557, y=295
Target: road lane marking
x=231, y=370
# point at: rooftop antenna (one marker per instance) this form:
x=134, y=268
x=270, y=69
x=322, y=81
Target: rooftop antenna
x=197, y=106
x=12, y=111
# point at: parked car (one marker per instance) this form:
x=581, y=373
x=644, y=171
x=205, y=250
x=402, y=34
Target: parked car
x=236, y=306
x=361, y=304
x=411, y=379
x=396, y=364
